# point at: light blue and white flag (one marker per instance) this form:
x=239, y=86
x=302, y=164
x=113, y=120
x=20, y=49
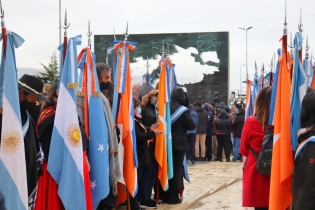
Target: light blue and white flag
x=98, y=129
x=298, y=91
x=309, y=72
x=65, y=162
x=13, y=178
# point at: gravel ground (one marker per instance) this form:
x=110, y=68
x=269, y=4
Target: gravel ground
x=202, y=192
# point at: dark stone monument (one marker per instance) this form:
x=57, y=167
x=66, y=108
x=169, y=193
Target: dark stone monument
x=150, y=45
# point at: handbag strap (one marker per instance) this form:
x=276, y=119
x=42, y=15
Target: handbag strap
x=253, y=151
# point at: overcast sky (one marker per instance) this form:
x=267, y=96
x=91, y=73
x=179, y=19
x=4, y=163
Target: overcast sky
x=37, y=21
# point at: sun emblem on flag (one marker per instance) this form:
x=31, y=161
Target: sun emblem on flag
x=73, y=135
x=11, y=141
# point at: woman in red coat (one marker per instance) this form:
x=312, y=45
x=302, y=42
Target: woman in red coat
x=255, y=186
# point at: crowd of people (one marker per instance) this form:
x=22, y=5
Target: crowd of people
x=201, y=132
x=218, y=132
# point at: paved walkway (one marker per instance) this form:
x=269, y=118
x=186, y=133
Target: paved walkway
x=214, y=185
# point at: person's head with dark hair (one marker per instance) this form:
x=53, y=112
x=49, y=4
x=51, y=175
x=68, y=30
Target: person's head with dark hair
x=199, y=104
x=212, y=104
x=307, y=116
x=52, y=96
x=103, y=74
x=263, y=105
x=178, y=95
x=30, y=91
x=194, y=104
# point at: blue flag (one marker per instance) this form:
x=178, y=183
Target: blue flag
x=98, y=129
x=65, y=162
x=298, y=91
x=13, y=184
x=273, y=93
x=256, y=88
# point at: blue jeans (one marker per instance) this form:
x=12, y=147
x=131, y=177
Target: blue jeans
x=236, y=149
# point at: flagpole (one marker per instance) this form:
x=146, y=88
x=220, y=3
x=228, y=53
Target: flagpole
x=4, y=30
x=59, y=23
x=301, y=30
x=65, y=36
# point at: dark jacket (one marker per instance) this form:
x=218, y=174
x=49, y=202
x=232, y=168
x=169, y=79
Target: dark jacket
x=32, y=154
x=183, y=123
x=194, y=116
x=223, y=124
x=210, y=115
x=202, y=120
x=2, y=207
x=303, y=188
x=148, y=115
x=239, y=123
x=142, y=137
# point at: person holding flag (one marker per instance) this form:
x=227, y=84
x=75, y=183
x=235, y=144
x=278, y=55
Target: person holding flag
x=19, y=152
x=303, y=184
x=149, y=173
x=181, y=123
x=48, y=197
x=103, y=74
x=66, y=159
x=29, y=91
x=143, y=137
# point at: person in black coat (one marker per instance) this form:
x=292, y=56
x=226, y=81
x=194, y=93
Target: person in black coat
x=238, y=123
x=201, y=132
x=148, y=113
x=143, y=138
x=303, y=185
x=179, y=144
x=223, y=126
x=210, y=115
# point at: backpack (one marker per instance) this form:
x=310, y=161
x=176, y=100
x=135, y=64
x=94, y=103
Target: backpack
x=264, y=158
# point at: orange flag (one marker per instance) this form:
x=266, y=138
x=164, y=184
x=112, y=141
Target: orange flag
x=160, y=145
x=282, y=157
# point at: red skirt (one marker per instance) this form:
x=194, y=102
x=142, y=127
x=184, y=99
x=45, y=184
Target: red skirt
x=47, y=194
x=87, y=186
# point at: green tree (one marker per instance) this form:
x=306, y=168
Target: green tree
x=51, y=70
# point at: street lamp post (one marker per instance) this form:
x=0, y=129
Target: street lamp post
x=241, y=78
x=246, y=46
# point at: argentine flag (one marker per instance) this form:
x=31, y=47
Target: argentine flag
x=13, y=183
x=65, y=162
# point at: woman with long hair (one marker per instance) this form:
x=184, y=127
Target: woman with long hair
x=255, y=186
x=303, y=189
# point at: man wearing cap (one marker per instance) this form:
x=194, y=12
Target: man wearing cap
x=30, y=89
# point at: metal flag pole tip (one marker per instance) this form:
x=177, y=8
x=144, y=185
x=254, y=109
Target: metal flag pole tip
x=300, y=25
x=1, y=10
x=163, y=52
x=307, y=48
x=89, y=34
x=126, y=34
x=114, y=34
